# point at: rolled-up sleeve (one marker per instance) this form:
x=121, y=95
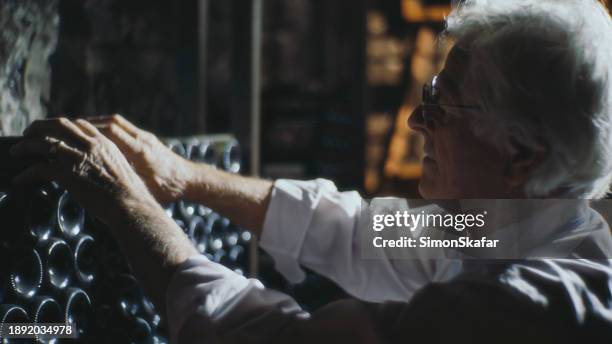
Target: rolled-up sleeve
x=208, y=303
x=312, y=224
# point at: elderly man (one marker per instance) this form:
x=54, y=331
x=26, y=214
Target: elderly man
x=522, y=109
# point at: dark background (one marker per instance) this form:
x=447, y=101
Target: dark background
x=140, y=59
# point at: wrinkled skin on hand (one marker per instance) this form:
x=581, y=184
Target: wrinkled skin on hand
x=84, y=161
x=164, y=172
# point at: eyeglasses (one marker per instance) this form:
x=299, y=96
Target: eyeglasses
x=432, y=111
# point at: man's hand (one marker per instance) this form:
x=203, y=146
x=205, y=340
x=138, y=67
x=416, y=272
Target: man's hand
x=92, y=168
x=83, y=161
x=170, y=177
x=165, y=173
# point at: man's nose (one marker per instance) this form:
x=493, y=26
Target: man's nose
x=416, y=121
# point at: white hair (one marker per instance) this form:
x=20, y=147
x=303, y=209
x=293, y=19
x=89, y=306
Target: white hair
x=544, y=68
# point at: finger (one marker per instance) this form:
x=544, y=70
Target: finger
x=118, y=120
x=37, y=173
x=61, y=128
x=100, y=120
x=120, y=137
x=47, y=147
x=87, y=127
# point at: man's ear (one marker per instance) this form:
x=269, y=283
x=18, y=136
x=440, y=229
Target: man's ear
x=523, y=160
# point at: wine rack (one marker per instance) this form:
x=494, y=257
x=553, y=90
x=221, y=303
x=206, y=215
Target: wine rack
x=61, y=266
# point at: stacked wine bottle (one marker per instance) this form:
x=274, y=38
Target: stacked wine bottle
x=61, y=266
x=212, y=234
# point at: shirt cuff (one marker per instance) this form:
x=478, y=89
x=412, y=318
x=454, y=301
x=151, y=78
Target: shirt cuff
x=289, y=214
x=203, y=287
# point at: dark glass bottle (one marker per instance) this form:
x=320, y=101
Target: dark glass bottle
x=231, y=157
x=177, y=147
x=214, y=244
x=59, y=262
x=70, y=216
x=11, y=314
x=44, y=310
x=202, y=151
x=23, y=272
x=150, y=314
x=231, y=238
x=234, y=258
x=124, y=313
x=139, y=332
x=185, y=210
x=28, y=215
x=198, y=232
x=78, y=311
x=128, y=295
x=84, y=254
x=220, y=256
x=218, y=225
x=157, y=339
x=245, y=237
x=203, y=210
x=41, y=211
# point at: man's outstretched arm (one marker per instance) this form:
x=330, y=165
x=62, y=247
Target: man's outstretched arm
x=170, y=177
x=300, y=223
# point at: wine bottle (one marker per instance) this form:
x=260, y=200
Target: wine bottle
x=150, y=314
x=220, y=256
x=214, y=244
x=46, y=310
x=12, y=314
x=139, y=332
x=231, y=156
x=245, y=237
x=237, y=257
x=128, y=294
x=202, y=151
x=70, y=216
x=157, y=339
x=198, y=232
x=177, y=147
x=218, y=225
x=41, y=213
x=78, y=311
x=203, y=210
x=185, y=210
x=85, y=259
x=59, y=262
x=231, y=237
x=23, y=270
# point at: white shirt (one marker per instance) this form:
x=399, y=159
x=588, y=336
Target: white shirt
x=311, y=224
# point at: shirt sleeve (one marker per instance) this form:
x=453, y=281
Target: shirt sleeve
x=208, y=303
x=312, y=224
